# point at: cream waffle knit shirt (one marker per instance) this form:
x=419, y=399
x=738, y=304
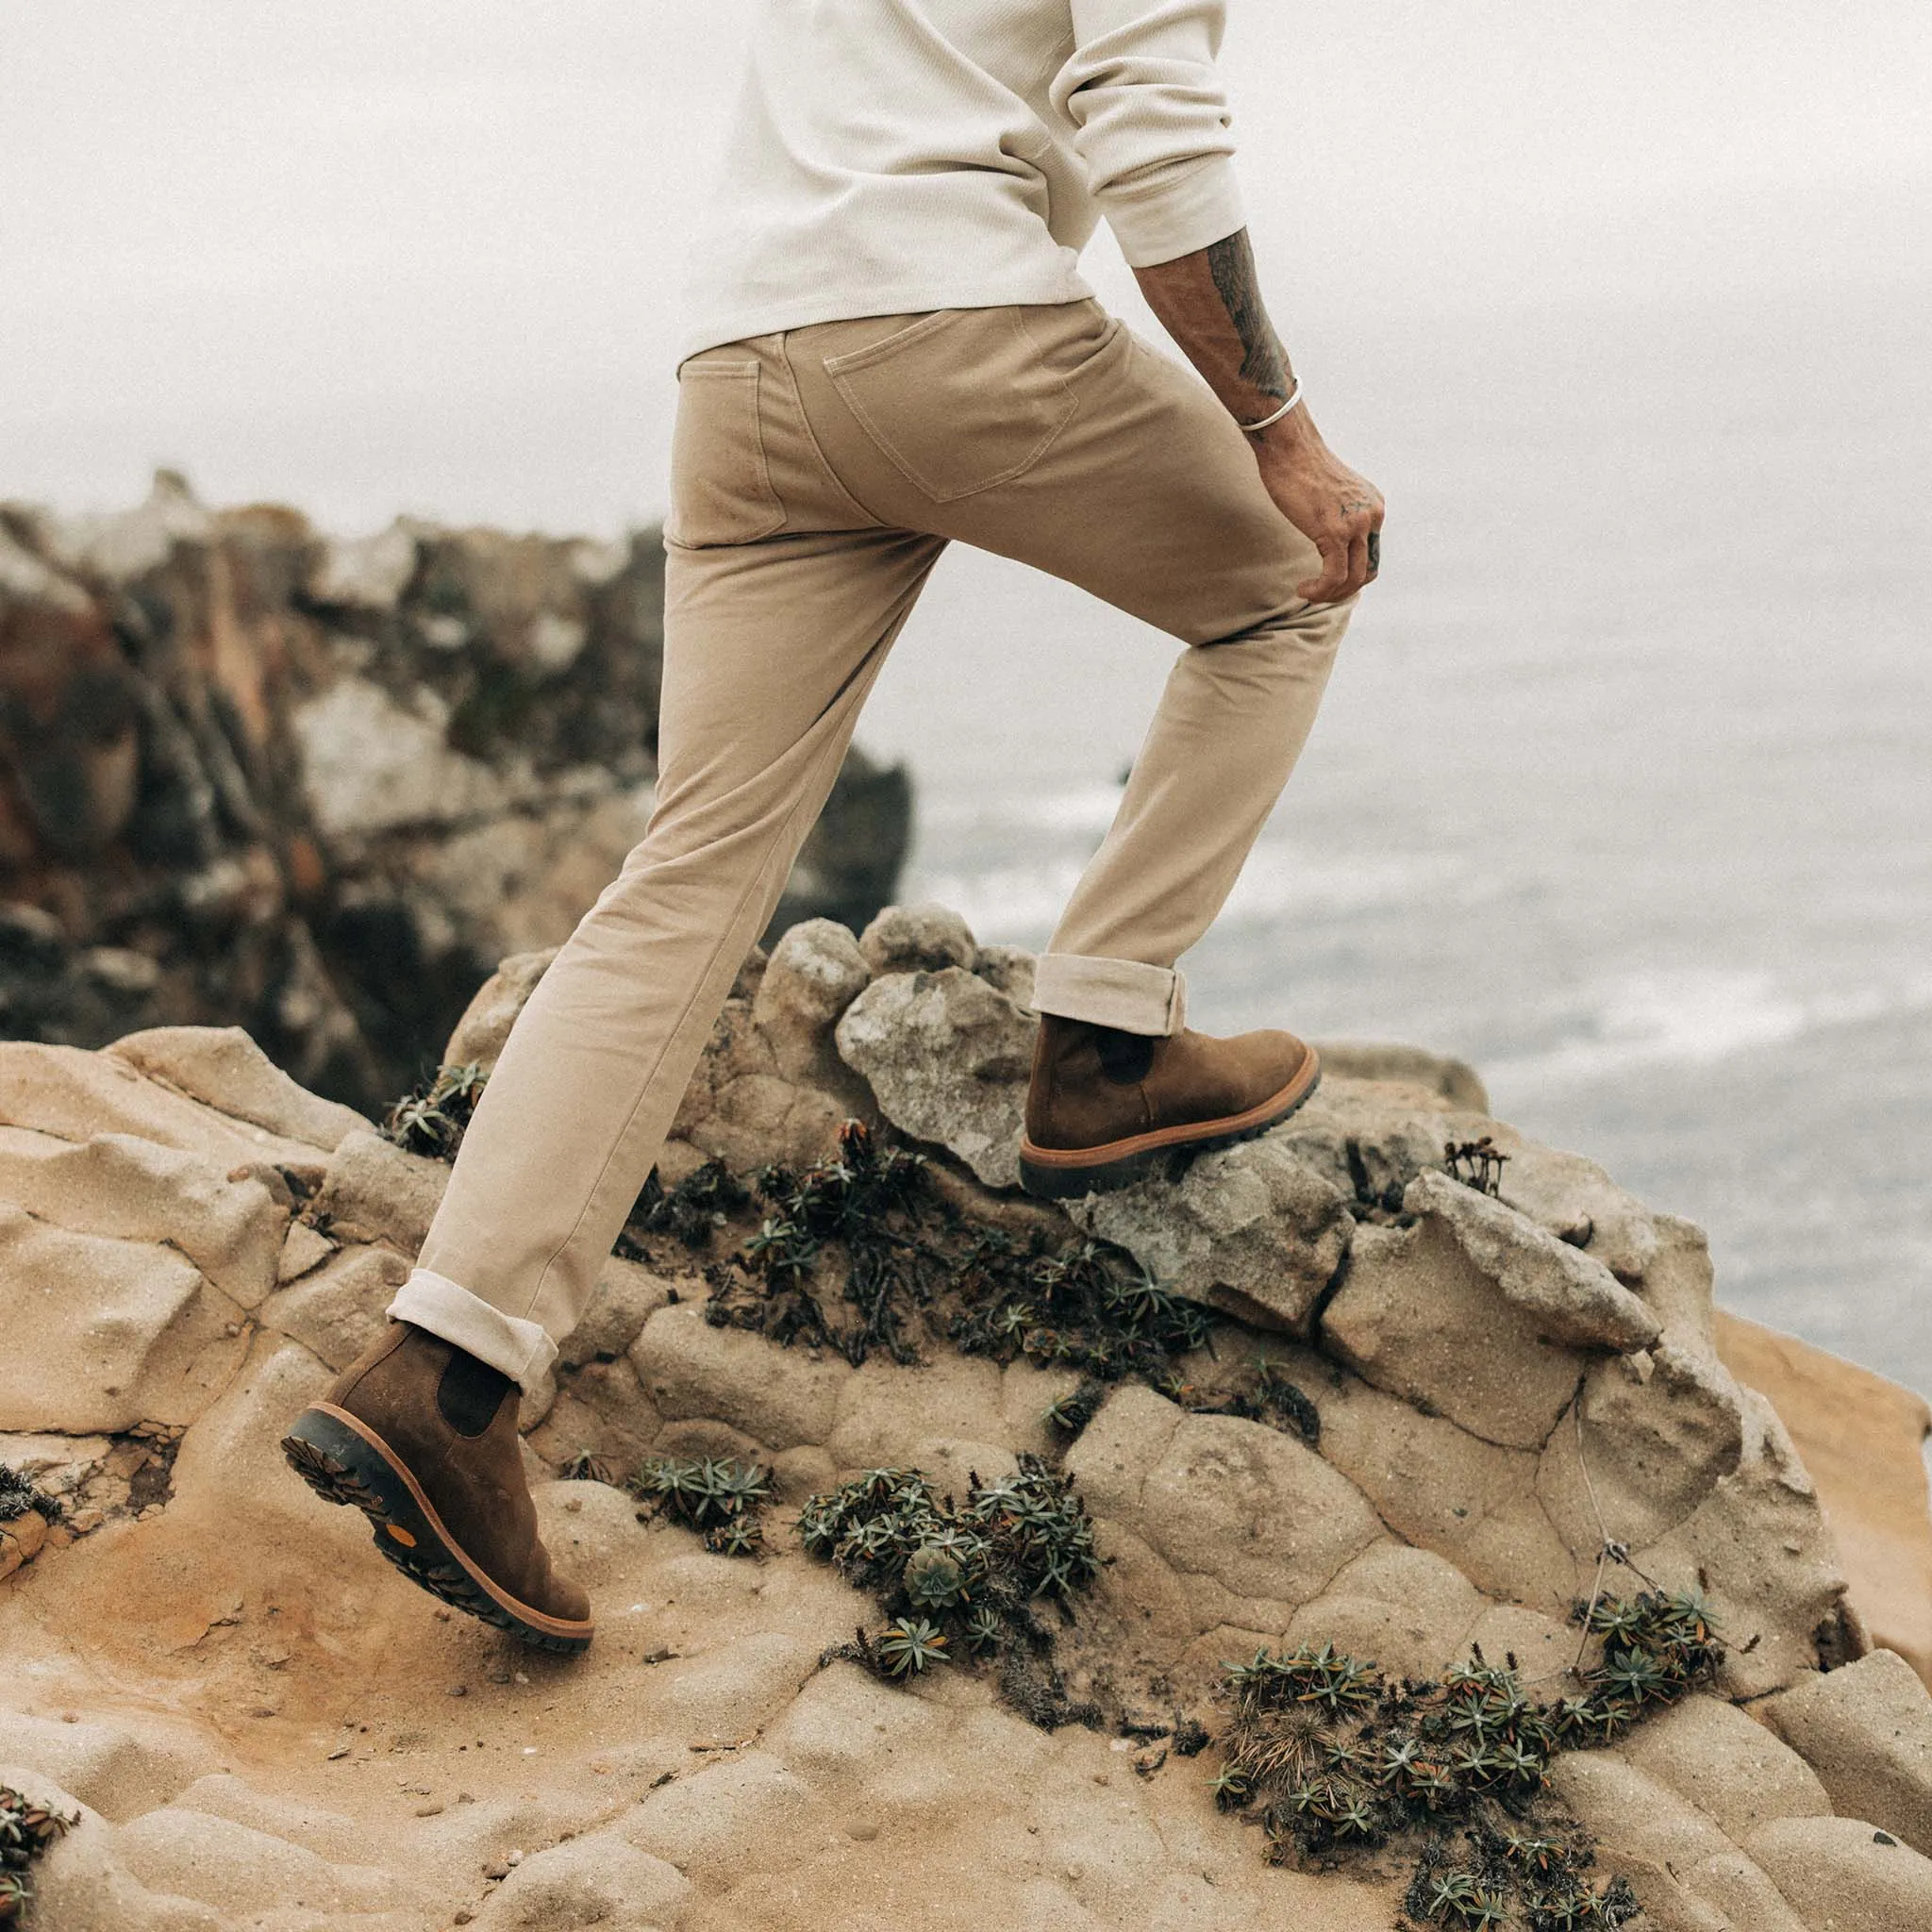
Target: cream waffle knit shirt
x=889, y=157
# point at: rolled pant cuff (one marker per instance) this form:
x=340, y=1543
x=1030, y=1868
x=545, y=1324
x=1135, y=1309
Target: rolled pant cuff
x=1126, y=993
x=523, y=1350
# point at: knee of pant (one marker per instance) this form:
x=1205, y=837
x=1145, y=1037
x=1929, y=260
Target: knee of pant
x=1318, y=626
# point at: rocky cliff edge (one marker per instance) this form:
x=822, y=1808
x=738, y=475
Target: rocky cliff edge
x=1509, y=1384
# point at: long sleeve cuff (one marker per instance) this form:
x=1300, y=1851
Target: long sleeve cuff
x=1176, y=210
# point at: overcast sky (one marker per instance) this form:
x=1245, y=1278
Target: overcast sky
x=378, y=253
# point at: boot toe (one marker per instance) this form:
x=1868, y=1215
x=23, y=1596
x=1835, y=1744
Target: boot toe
x=566, y=1599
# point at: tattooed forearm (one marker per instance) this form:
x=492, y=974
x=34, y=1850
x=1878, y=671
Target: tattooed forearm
x=1211, y=304
x=1264, y=362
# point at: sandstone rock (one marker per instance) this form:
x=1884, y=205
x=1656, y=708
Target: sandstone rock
x=81, y=1885
x=1455, y=1080
x=1867, y=1731
x=598, y=1880
x=1741, y=1894
x=1446, y=1491
x=701, y=1823
x=1633, y=1813
x=22, y=1539
x=1370, y=1139
x=602, y=1411
x=221, y=1067
x=1715, y=1756
x=198, y=1855
x=338, y=1309
x=815, y=972
x=882, y=1408
x=947, y=1058
x=491, y=1012
x=845, y=1724
x=1861, y=1438
x=1575, y=1200
x=1247, y=1229
x=330, y=1835
x=1659, y=1429
x=105, y=1333
x=734, y=1689
x=119, y=1769
x=779, y=1396
x=121, y=1185
x=589, y=1528
x=625, y=1297
x=1198, y=1488
x=77, y=1096
x=1010, y=970
x=926, y=938
x=1415, y=1315
x=1759, y=1544
x=371, y=765
x=1839, y=1875
x=1407, y=1611
x=365, y=771
x=1570, y=1297
x=376, y=1190
x=303, y=1247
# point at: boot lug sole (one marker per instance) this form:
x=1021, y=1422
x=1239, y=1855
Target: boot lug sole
x=344, y=1461
x=1058, y=1181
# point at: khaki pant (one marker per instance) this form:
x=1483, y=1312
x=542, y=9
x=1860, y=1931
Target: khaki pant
x=816, y=477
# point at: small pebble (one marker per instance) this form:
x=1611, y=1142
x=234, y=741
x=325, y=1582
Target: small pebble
x=496, y=1869
x=459, y=1690
x=428, y=1810
x=462, y=1916
x=340, y=1751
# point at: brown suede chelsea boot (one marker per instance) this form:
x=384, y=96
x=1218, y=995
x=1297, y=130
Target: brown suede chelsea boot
x=422, y=1438
x=1105, y=1106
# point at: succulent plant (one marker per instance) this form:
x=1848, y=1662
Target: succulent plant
x=912, y=1645
x=431, y=1120
x=718, y=1497
x=935, y=1578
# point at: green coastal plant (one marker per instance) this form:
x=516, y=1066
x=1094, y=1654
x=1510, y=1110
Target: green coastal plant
x=1328, y=1753
x=432, y=1116
x=28, y=1830
x=722, y=1498
x=961, y=1577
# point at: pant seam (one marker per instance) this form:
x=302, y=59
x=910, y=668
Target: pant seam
x=812, y=436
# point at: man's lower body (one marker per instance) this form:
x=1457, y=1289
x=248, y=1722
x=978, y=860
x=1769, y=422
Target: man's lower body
x=817, y=475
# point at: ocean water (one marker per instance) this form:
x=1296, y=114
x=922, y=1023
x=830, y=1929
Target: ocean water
x=1623, y=790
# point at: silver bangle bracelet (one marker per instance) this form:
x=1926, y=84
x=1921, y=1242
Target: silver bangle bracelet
x=1294, y=396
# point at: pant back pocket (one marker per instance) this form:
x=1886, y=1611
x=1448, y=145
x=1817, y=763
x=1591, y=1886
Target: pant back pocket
x=721, y=485
x=958, y=401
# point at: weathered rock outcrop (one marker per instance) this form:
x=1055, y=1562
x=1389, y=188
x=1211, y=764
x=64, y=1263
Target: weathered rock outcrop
x=251, y=774
x=266, y=1729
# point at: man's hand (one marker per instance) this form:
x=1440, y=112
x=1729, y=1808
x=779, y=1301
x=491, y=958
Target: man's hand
x=1211, y=302
x=1340, y=513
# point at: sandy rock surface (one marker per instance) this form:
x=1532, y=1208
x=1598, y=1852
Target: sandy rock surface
x=265, y=1729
